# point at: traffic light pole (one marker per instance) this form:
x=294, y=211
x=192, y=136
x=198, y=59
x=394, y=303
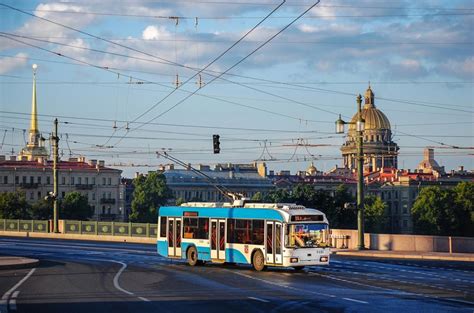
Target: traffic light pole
x=55, y=177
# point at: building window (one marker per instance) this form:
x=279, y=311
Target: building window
x=87, y=180
x=39, y=179
x=109, y=181
x=72, y=180
x=93, y=196
x=63, y=180
x=93, y=180
x=103, y=181
x=405, y=223
x=48, y=180
x=103, y=209
x=39, y=195
x=32, y=180
x=110, y=195
x=5, y=179
x=24, y=179
x=32, y=195
x=108, y=210
x=17, y=179
x=63, y=194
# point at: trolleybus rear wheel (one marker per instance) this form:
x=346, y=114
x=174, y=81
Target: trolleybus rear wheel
x=192, y=256
x=258, y=261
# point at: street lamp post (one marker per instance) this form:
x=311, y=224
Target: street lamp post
x=360, y=125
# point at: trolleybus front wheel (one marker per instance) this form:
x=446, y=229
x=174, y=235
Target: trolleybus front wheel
x=192, y=256
x=298, y=268
x=258, y=261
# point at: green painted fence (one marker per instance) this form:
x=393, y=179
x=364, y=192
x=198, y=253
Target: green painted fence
x=84, y=227
x=24, y=225
x=110, y=228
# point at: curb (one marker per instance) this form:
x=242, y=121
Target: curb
x=17, y=263
x=407, y=256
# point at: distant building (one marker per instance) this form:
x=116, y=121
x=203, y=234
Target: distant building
x=379, y=149
x=32, y=173
x=92, y=179
x=246, y=179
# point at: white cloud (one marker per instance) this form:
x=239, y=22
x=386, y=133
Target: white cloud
x=8, y=64
x=153, y=32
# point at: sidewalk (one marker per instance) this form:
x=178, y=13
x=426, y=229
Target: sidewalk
x=13, y=262
x=439, y=256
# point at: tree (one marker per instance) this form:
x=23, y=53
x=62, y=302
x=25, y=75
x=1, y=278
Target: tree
x=375, y=220
x=443, y=212
x=338, y=215
x=42, y=209
x=304, y=194
x=278, y=196
x=150, y=193
x=75, y=206
x=13, y=205
x=179, y=201
x=257, y=196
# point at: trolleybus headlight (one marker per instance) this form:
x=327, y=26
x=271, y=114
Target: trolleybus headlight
x=294, y=260
x=323, y=259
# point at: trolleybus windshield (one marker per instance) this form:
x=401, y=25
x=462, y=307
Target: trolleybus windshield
x=307, y=235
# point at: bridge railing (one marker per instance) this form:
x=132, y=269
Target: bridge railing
x=24, y=225
x=82, y=227
x=110, y=228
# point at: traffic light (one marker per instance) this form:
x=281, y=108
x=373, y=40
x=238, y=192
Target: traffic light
x=216, y=143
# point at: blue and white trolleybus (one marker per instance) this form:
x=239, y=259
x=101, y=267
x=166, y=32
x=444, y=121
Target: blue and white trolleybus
x=261, y=234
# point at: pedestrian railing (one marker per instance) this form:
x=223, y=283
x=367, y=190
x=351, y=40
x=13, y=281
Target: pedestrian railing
x=83, y=227
x=24, y=225
x=110, y=228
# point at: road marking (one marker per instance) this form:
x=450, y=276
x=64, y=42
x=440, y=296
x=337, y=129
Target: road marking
x=6, y=295
x=12, y=304
x=258, y=299
x=116, y=280
x=354, y=300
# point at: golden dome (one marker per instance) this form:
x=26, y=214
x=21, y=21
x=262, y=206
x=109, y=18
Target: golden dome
x=374, y=118
x=311, y=169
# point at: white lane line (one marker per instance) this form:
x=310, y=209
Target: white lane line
x=12, y=304
x=354, y=300
x=116, y=281
x=258, y=299
x=144, y=299
x=7, y=294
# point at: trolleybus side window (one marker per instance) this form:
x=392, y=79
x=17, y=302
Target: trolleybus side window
x=163, y=226
x=196, y=228
x=245, y=231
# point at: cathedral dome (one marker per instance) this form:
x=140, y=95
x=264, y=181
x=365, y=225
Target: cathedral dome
x=374, y=118
x=311, y=170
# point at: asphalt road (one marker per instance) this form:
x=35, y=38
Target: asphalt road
x=78, y=276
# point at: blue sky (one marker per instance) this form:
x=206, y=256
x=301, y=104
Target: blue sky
x=418, y=57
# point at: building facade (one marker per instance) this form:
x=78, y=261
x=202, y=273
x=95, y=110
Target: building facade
x=92, y=179
x=379, y=149
x=245, y=179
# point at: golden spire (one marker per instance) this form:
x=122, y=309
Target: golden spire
x=34, y=117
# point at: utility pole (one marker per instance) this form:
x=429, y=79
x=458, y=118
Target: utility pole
x=360, y=175
x=55, y=176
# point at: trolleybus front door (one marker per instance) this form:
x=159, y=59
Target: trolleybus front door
x=218, y=239
x=273, y=243
x=174, y=237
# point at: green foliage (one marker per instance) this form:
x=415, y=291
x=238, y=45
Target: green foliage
x=13, y=205
x=445, y=212
x=75, y=206
x=179, y=201
x=332, y=206
x=150, y=193
x=257, y=197
x=42, y=209
x=375, y=220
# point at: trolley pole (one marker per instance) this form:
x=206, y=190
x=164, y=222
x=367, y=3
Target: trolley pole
x=55, y=177
x=360, y=176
